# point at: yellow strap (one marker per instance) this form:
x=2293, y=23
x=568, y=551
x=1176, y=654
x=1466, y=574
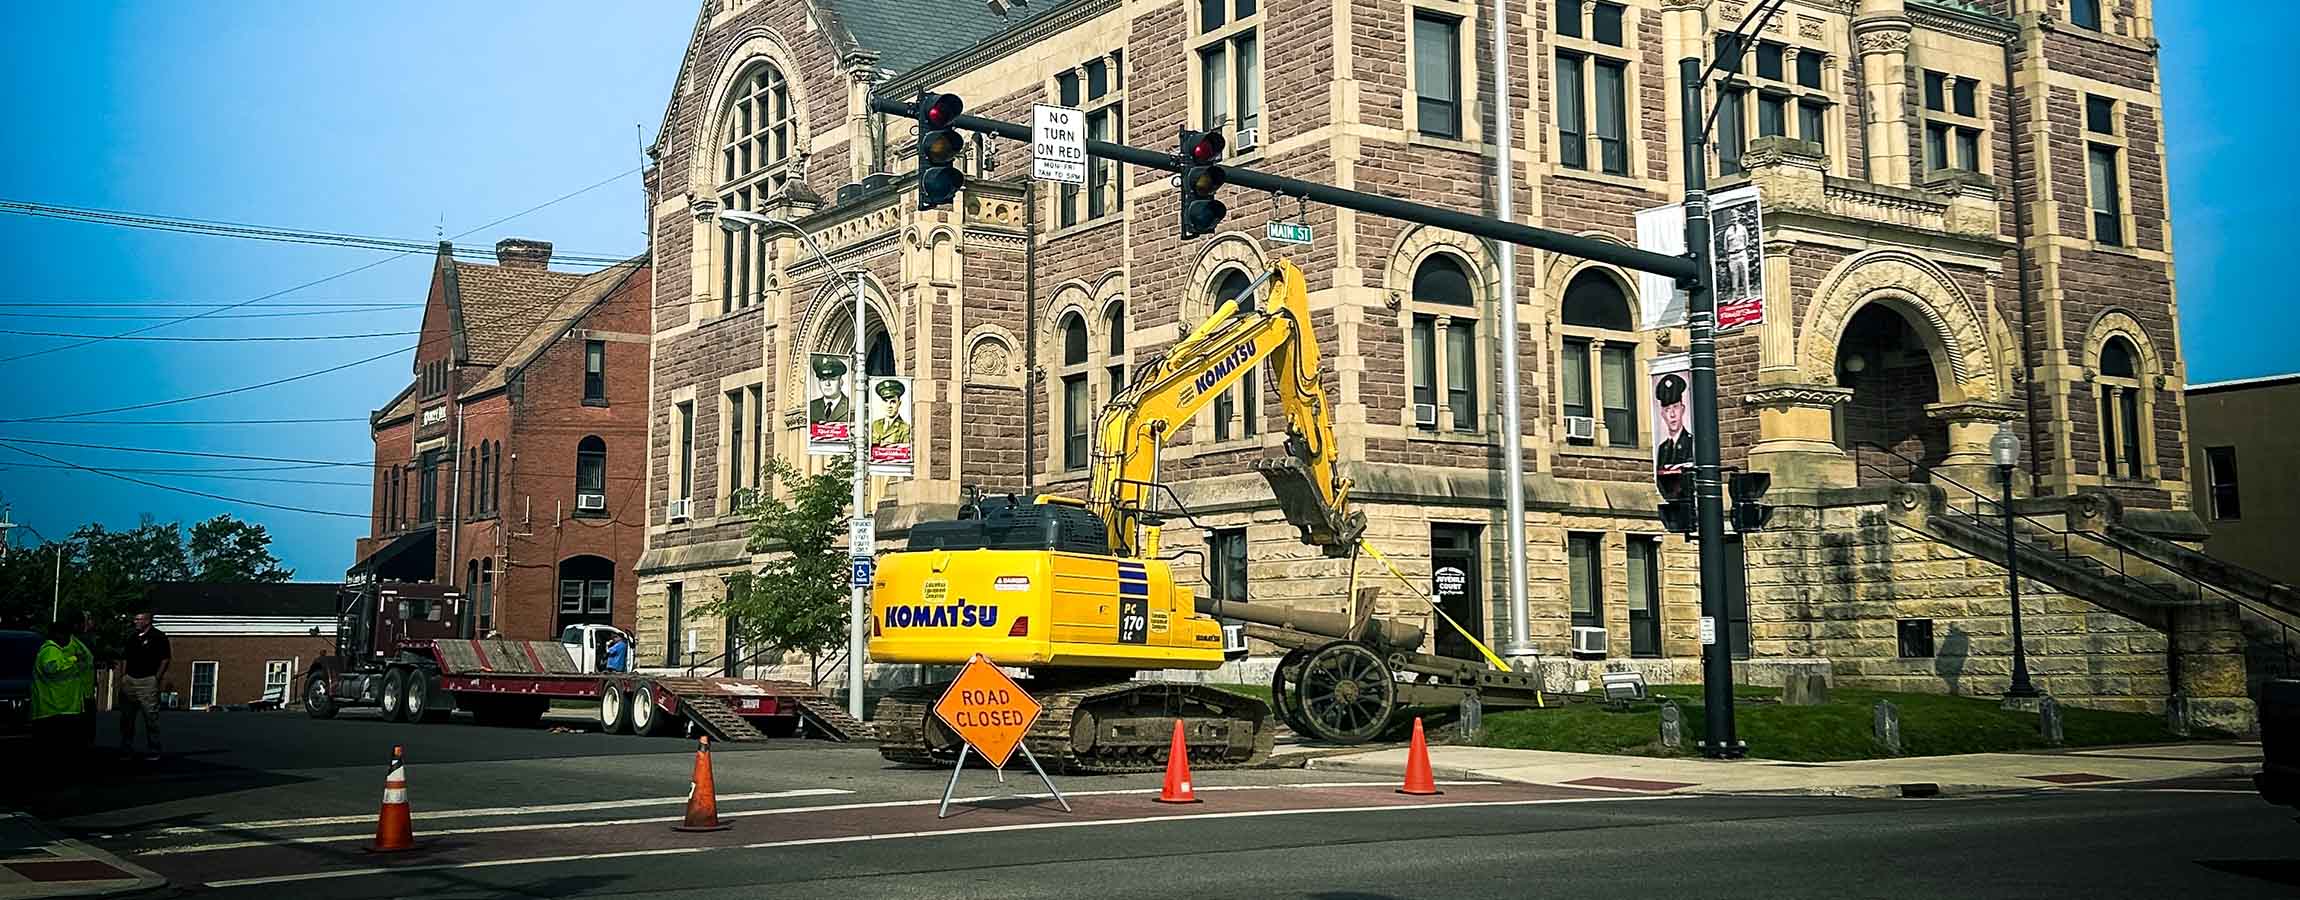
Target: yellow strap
x=1417, y=589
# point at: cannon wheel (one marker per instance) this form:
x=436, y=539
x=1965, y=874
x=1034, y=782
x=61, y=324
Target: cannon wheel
x=1285, y=694
x=1346, y=693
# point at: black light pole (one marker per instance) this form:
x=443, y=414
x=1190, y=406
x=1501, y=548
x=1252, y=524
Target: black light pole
x=1718, y=735
x=2005, y=449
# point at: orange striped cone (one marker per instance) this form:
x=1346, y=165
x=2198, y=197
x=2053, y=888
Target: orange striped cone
x=702, y=796
x=1177, y=787
x=394, y=829
x=1419, y=782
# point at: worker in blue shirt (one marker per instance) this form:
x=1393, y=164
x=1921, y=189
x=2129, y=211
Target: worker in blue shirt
x=618, y=653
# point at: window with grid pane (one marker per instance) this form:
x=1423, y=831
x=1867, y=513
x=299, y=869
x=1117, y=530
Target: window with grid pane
x=754, y=150
x=1437, y=75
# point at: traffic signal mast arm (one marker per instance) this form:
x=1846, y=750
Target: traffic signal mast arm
x=1137, y=422
x=1677, y=267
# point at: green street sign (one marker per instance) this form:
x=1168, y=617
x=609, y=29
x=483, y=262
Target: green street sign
x=1289, y=232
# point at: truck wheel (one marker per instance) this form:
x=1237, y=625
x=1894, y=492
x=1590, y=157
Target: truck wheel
x=395, y=695
x=419, y=703
x=614, y=709
x=317, y=702
x=647, y=715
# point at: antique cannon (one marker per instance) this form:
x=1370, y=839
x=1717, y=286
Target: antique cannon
x=1345, y=676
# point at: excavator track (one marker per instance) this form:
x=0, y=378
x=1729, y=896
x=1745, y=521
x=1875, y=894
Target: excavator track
x=1096, y=727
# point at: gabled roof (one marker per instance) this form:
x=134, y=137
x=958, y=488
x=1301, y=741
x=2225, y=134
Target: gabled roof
x=589, y=291
x=402, y=405
x=898, y=30
x=294, y=599
x=500, y=305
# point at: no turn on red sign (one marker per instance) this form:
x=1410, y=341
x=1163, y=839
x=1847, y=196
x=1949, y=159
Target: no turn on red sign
x=988, y=710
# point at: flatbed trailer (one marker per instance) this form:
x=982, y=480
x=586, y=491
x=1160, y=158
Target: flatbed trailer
x=396, y=651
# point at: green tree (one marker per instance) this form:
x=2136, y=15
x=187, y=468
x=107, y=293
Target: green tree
x=225, y=549
x=797, y=601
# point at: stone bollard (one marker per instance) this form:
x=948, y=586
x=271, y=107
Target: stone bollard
x=1805, y=690
x=2048, y=720
x=1888, y=727
x=1472, y=727
x=1672, y=726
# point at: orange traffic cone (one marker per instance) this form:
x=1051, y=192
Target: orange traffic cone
x=702, y=797
x=394, y=829
x=1177, y=788
x=1418, y=779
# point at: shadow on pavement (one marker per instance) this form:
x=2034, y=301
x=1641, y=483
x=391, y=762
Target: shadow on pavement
x=2278, y=871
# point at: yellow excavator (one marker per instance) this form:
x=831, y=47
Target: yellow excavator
x=1076, y=593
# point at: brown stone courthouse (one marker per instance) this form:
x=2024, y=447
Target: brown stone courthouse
x=1965, y=231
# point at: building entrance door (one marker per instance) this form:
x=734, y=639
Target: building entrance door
x=1456, y=583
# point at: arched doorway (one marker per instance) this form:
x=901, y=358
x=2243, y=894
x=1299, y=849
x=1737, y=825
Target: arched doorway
x=586, y=591
x=1885, y=427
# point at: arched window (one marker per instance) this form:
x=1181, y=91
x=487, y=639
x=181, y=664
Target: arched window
x=495, y=480
x=591, y=476
x=1114, y=319
x=470, y=482
x=1077, y=407
x=1073, y=340
x=1237, y=412
x=586, y=591
x=755, y=153
x=470, y=594
x=1598, y=335
x=878, y=354
x=1446, y=366
x=2122, y=391
x=486, y=477
x=483, y=597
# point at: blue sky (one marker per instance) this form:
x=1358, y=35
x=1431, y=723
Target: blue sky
x=401, y=118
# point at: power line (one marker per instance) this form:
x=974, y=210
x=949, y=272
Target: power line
x=319, y=281
x=212, y=394
x=231, y=339
x=311, y=421
x=96, y=303
x=267, y=479
x=133, y=316
x=316, y=463
x=244, y=231
x=184, y=490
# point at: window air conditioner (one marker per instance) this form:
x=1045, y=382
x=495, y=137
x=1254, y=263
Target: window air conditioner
x=1588, y=641
x=1425, y=415
x=590, y=502
x=1248, y=139
x=681, y=508
x=1580, y=428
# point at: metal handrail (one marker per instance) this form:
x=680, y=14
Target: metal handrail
x=2067, y=545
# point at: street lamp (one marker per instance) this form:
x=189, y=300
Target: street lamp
x=736, y=221
x=2004, y=449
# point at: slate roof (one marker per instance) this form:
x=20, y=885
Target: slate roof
x=501, y=305
x=556, y=319
x=290, y=599
x=891, y=27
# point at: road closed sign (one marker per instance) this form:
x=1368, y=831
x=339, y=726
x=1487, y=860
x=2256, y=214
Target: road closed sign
x=987, y=710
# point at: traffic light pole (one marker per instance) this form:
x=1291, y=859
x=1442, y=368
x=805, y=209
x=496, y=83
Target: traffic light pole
x=1718, y=734
x=1677, y=267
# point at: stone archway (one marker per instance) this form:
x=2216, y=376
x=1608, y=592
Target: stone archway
x=1893, y=375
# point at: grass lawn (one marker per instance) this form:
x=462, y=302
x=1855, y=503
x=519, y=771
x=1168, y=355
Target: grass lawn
x=1257, y=691
x=1931, y=725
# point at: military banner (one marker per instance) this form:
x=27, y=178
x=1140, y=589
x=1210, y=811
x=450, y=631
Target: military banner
x=830, y=405
x=891, y=448
x=1737, y=230
x=1672, y=413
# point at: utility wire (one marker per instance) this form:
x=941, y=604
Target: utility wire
x=212, y=394
x=267, y=479
x=214, y=228
x=147, y=422
x=184, y=490
x=97, y=303
x=319, y=281
x=316, y=463
x=172, y=316
x=229, y=339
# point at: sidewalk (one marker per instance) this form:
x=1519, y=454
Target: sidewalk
x=1974, y=773
x=35, y=861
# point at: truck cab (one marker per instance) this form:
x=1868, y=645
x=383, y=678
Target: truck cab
x=587, y=644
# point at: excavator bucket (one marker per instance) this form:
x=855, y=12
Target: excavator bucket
x=1304, y=505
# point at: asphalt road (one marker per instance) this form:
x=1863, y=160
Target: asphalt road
x=257, y=804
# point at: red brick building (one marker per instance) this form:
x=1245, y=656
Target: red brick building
x=233, y=644
x=511, y=464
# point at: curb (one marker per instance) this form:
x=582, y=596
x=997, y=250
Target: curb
x=146, y=881
x=1879, y=791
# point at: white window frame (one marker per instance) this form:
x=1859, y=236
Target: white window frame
x=1238, y=79
x=1641, y=353
x=1753, y=86
x=1591, y=51
x=2112, y=140
x=1956, y=124
x=1074, y=204
x=287, y=679
x=1469, y=127
x=777, y=140
x=1444, y=316
x=192, y=684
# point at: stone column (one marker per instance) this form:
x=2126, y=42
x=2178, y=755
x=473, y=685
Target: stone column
x=1881, y=36
x=1972, y=424
x=1796, y=436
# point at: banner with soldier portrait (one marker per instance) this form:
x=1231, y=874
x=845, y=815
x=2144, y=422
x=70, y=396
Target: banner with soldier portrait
x=830, y=405
x=1737, y=237
x=892, y=450
x=1671, y=392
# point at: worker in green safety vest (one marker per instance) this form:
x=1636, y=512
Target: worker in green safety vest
x=60, y=681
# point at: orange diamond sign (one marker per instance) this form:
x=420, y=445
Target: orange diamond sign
x=988, y=710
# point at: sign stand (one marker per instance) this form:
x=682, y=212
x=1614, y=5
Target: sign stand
x=990, y=714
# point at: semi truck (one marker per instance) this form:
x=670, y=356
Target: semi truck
x=403, y=648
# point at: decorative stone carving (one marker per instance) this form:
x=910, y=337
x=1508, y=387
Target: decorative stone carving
x=1798, y=395
x=1810, y=28
x=703, y=208
x=1884, y=41
x=990, y=362
x=1973, y=411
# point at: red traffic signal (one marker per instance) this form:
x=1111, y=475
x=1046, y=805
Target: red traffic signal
x=939, y=110
x=1203, y=147
x=938, y=148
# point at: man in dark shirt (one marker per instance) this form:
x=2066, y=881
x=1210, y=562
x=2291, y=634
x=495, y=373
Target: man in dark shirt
x=146, y=667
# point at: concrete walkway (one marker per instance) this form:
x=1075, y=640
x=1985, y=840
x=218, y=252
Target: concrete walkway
x=35, y=861
x=1973, y=773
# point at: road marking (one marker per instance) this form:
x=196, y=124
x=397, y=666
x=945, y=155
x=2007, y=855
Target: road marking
x=2138, y=789
x=776, y=811
x=900, y=835
x=491, y=811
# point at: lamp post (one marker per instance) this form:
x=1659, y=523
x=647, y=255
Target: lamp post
x=2004, y=450
x=735, y=221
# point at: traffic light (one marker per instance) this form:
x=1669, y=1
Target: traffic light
x=1748, y=488
x=938, y=147
x=1677, y=509
x=1201, y=212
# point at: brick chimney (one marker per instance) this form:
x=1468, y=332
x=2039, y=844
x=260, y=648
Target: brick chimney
x=521, y=253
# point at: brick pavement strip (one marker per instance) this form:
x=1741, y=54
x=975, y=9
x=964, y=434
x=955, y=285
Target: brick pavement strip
x=35, y=861
x=559, y=842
